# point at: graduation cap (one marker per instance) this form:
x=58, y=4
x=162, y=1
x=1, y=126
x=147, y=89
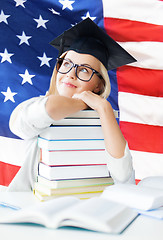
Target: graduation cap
x=88, y=38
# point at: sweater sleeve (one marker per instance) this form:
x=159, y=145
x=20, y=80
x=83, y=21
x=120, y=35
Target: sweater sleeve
x=121, y=169
x=30, y=118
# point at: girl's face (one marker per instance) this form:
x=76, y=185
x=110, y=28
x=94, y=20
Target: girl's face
x=68, y=84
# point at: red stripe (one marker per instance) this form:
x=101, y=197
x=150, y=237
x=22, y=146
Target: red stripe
x=123, y=30
x=137, y=181
x=140, y=81
x=8, y=172
x=141, y=137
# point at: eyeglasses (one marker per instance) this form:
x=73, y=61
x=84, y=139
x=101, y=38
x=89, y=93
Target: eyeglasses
x=83, y=72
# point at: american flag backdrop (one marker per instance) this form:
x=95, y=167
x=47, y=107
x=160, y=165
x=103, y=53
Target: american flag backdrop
x=138, y=26
x=27, y=61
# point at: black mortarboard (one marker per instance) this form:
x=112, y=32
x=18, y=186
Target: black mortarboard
x=86, y=37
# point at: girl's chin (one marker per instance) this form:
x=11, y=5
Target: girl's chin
x=66, y=93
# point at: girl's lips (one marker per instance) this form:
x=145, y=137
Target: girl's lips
x=68, y=84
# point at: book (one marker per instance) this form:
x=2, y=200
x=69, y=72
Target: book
x=16, y=200
x=71, y=172
x=135, y=196
x=152, y=182
x=83, y=196
x=79, y=121
x=71, y=144
x=84, y=117
x=89, y=113
x=68, y=191
x=73, y=157
x=68, y=183
x=55, y=132
x=155, y=213
x=96, y=214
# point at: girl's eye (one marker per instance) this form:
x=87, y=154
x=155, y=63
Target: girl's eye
x=84, y=70
x=66, y=64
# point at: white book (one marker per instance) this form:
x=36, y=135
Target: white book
x=68, y=183
x=79, y=121
x=96, y=214
x=134, y=196
x=155, y=213
x=88, y=113
x=72, y=132
x=73, y=157
x=85, y=117
x=71, y=144
x=72, y=172
x=83, y=196
x=68, y=191
x=153, y=182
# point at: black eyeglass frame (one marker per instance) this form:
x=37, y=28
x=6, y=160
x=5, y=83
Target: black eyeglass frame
x=74, y=65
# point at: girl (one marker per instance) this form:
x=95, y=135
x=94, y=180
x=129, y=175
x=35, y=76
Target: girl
x=80, y=80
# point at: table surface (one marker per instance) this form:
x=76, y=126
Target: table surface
x=143, y=227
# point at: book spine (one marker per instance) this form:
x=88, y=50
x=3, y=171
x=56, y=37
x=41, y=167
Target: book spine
x=73, y=157
x=78, y=121
x=73, y=190
x=72, y=132
x=73, y=172
x=74, y=182
x=73, y=144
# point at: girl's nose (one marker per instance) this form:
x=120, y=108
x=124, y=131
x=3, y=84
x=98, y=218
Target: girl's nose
x=72, y=73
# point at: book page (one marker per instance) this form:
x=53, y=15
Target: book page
x=99, y=215
x=152, y=182
x=95, y=214
x=17, y=200
x=144, y=198
x=42, y=213
x=156, y=213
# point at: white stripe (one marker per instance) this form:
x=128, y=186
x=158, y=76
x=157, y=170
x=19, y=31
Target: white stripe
x=141, y=109
x=147, y=54
x=149, y=11
x=147, y=164
x=12, y=150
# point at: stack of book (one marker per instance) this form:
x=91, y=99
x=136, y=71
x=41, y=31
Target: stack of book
x=72, y=158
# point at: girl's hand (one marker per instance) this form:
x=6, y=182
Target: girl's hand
x=93, y=100
x=114, y=140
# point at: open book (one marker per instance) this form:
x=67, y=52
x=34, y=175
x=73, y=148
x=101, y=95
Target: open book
x=155, y=182
x=135, y=196
x=146, y=197
x=95, y=214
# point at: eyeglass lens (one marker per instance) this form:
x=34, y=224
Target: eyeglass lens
x=83, y=72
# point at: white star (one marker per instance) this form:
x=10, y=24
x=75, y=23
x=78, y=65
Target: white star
x=3, y=17
x=6, y=56
x=44, y=60
x=9, y=95
x=41, y=22
x=20, y=3
x=27, y=77
x=66, y=4
x=23, y=38
x=88, y=16
x=54, y=12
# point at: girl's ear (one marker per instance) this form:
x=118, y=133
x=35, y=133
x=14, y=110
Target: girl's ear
x=98, y=87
